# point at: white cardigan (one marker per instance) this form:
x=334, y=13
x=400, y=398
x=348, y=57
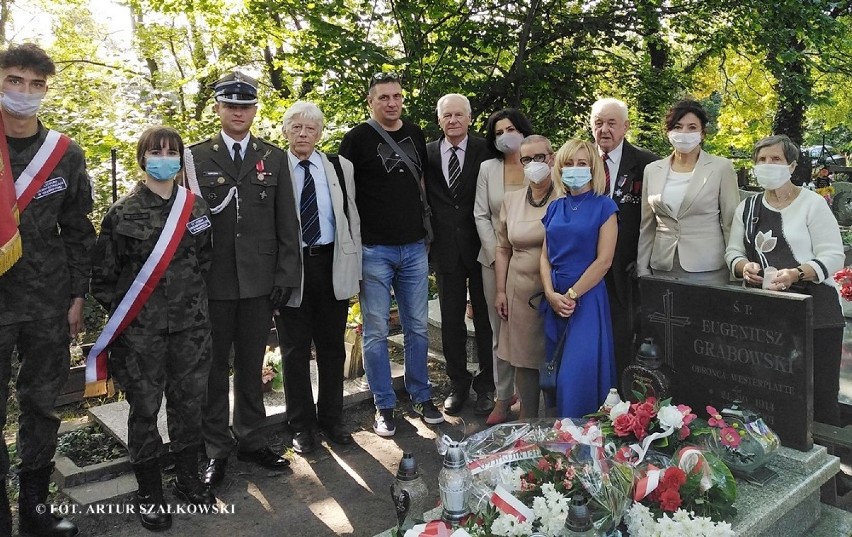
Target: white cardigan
x=810, y=229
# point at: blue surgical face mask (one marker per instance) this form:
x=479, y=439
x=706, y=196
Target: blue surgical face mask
x=575, y=177
x=162, y=168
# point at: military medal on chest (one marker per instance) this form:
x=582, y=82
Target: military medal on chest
x=260, y=168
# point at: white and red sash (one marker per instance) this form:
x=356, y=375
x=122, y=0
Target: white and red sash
x=140, y=290
x=40, y=167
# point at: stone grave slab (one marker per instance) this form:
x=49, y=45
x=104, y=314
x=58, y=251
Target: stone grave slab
x=434, y=328
x=726, y=342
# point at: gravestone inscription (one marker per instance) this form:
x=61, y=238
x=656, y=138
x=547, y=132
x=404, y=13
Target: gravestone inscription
x=726, y=343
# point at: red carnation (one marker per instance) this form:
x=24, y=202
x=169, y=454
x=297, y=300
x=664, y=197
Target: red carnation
x=674, y=477
x=670, y=500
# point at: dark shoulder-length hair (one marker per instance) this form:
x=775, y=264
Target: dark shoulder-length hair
x=518, y=119
x=683, y=107
x=155, y=138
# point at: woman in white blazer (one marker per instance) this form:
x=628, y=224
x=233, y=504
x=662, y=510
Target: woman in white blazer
x=688, y=202
x=331, y=272
x=504, y=132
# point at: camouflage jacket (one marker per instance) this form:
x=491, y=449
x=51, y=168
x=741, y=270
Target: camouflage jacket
x=57, y=240
x=128, y=234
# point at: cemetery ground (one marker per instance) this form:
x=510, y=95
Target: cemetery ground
x=337, y=490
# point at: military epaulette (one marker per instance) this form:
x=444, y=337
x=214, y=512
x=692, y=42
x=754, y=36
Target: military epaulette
x=201, y=142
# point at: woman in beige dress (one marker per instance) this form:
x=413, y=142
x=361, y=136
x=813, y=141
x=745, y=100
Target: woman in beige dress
x=504, y=132
x=520, y=236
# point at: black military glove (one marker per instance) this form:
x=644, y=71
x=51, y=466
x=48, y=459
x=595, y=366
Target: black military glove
x=280, y=296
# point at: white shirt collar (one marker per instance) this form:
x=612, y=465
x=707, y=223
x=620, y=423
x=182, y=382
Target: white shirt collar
x=229, y=143
x=615, y=154
x=314, y=159
x=446, y=145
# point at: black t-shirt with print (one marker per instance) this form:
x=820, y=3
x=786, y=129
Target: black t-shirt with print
x=387, y=197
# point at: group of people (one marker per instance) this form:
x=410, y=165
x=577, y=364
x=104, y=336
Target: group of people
x=222, y=237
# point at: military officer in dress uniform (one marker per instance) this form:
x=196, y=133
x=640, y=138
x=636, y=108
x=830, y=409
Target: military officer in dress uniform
x=246, y=182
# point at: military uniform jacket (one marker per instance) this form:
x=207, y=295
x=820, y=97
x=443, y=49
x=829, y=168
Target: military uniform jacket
x=57, y=240
x=129, y=232
x=258, y=247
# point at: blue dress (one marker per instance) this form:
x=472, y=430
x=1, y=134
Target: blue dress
x=587, y=372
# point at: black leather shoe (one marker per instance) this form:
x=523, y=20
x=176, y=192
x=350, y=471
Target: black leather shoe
x=484, y=404
x=264, y=457
x=303, y=442
x=214, y=472
x=337, y=433
x=455, y=402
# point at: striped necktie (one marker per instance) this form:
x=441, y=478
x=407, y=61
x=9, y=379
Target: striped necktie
x=309, y=211
x=455, y=172
x=605, y=157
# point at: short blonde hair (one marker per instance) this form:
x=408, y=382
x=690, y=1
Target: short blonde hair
x=567, y=152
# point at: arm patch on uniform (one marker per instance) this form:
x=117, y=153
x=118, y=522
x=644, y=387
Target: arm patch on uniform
x=51, y=186
x=137, y=216
x=198, y=225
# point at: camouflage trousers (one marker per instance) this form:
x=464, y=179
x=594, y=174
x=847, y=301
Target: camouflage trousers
x=149, y=365
x=44, y=358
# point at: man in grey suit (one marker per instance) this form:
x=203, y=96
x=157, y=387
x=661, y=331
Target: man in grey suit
x=331, y=271
x=246, y=182
x=625, y=166
x=453, y=166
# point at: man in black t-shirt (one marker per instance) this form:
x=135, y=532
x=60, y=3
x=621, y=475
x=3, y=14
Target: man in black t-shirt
x=394, y=248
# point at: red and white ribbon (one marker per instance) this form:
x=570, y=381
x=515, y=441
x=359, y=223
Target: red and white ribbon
x=692, y=460
x=435, y=528
x=140, y=290
x=40, y=167
x=642, y=449
x=506, y=503
x=648, y=483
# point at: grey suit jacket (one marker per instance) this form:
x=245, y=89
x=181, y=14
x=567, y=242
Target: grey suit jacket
x=346, y=270
x=699, y=231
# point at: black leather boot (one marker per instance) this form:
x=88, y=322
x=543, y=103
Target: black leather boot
x=188, y=486
x=149, y=497
x=33, y=519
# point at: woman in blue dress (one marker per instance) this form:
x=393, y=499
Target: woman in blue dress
x=580, y=234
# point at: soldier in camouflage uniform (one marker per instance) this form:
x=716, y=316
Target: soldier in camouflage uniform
x=166, y=347
x=41, y=296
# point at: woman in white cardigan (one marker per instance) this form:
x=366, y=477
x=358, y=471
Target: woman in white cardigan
x=688, y=201
x=789, y=237
x=504, y=132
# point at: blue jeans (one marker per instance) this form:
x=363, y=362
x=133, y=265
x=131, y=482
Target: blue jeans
x=405, y=268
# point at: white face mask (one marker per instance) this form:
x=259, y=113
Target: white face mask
x=772, y=176
x=536, y=171
x=22, y=104
x=509, y=142
x=684, y=141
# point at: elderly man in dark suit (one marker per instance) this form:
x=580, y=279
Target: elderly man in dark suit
x=625, y=164
x=451, y=174
x=256, y=266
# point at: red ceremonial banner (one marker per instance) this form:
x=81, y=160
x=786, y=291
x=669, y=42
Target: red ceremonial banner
x=10, y=240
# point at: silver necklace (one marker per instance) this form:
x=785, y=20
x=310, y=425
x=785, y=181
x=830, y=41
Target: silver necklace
x=573, y=208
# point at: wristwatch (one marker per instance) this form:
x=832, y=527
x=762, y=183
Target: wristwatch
x=801, y=272
x=572, y=294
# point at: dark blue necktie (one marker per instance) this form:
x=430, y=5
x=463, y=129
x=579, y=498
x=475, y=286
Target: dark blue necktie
x=308, y=207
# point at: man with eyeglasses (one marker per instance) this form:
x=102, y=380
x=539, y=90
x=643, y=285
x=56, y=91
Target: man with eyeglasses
x=624, y=167
x=393, y=232
x=246, y=182
x=451, y=175
x=331, y=269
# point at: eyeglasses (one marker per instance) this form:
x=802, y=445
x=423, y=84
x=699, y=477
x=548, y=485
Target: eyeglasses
x=538, y=157
x=389, y=76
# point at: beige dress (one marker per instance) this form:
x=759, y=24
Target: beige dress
x=522, y=336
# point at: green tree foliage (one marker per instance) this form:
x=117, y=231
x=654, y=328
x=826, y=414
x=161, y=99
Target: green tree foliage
x=756, y=69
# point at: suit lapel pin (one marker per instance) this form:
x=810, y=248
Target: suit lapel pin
x=215, y=147
x=254, y=146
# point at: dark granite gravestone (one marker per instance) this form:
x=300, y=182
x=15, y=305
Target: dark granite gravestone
x=726, y=342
